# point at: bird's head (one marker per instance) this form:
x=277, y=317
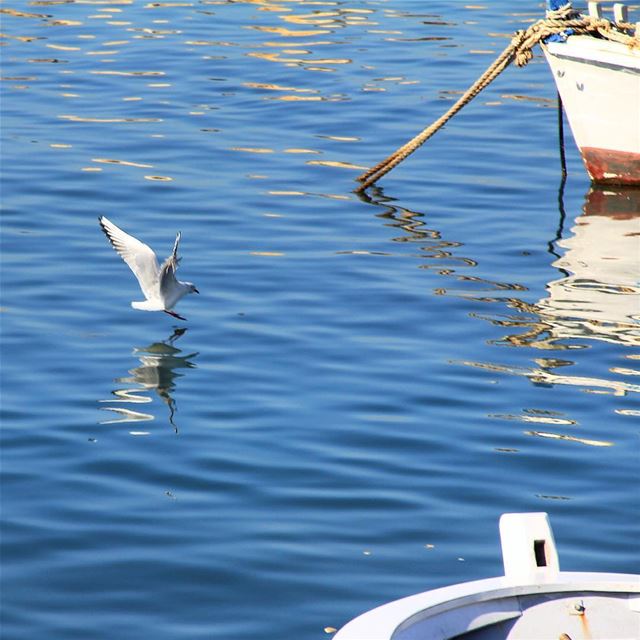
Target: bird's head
x=191, y=287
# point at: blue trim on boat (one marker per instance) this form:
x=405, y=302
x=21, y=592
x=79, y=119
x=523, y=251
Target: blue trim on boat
x=596, y=63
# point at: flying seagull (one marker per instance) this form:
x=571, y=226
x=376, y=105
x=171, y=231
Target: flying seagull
x=159, y=284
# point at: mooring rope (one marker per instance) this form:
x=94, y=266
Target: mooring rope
x=518, y=50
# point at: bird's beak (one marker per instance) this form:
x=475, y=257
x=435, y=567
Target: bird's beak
x=195, y=290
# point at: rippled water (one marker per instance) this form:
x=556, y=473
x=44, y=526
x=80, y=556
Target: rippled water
x=364, y=383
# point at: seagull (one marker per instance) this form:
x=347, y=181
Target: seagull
x=159, y=284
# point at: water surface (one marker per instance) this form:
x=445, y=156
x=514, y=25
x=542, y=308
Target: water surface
x=364, y=384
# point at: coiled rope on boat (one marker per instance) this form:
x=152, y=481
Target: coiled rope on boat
x=520, y=51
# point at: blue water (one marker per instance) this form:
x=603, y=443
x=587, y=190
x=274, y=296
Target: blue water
x=364, y=383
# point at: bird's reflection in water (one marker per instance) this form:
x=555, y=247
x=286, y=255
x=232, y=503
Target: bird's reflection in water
x=157, y=371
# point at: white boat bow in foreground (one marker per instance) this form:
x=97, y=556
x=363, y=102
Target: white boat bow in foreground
x=532, y=601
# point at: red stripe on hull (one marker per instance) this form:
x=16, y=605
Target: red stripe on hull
x=612, y=167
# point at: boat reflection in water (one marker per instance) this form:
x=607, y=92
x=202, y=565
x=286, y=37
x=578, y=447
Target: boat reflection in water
x=158, y=372
x=596, y=297
x=599, y=297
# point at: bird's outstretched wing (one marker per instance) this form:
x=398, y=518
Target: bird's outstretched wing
x=140, y=257
x=168, y=269
x=174, y=253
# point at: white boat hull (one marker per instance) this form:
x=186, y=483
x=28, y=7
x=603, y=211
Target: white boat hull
x=599, y=83
x=582, y=606
x=534, y=600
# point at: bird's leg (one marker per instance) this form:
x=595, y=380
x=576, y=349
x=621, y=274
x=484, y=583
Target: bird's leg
x=174, y=314
x=177, y=332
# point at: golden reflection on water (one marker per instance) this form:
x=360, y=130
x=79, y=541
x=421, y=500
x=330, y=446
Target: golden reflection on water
x=307, y=35
x=157, y=372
